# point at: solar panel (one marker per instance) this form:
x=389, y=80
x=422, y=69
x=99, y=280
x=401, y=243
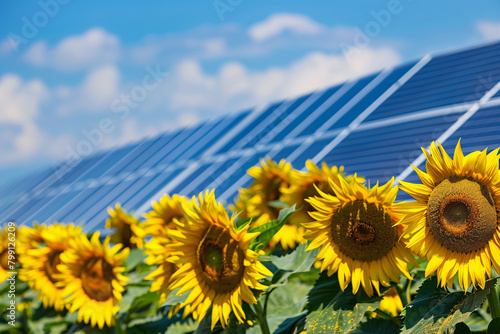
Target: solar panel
x=373, y=125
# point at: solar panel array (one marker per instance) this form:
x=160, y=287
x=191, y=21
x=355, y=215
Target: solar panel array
x=373, y=125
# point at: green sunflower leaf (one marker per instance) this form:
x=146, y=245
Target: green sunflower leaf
x=268, y=230
x=135, y=257
x=437, y=310
x=132, y=293
x=241, y=223
x=161, y=323
x=290, y=324
x=284, y=302
x=377, y=326
x=296, y=262
x=174, y=299
x=334, y=310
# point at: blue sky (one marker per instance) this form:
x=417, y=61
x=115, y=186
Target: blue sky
x=81, y=76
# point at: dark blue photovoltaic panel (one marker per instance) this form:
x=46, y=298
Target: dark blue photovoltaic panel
x=46, y=201
x=306, y=113
x=146, y=194
x=206, y=143
x=373, y=95
x=105, y=195
x=237, y=175
x=265, y=132
x=129, y=188
x=25, y=211
x=57, y=198
x=13, y=191
x=255, y=123
x=219, y=171
x=142, y=166
x=446, y=80
x=379, y=154
x=327, y=114
x=75, y=207
x=479, y=132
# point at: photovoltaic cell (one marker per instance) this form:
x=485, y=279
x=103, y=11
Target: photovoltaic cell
x=254, y=124
x=382, y=153
x=449, y=79
x=327, y=114
x=306, y=113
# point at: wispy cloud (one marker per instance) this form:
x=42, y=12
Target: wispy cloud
x=234, y=86
x=280, y=23
x=489, y=30
x=21, y=137
x=98, y=89
x=92, y=48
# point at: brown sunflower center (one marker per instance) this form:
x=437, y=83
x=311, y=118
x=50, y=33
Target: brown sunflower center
x=51, y=266
x=97, y=275
x=461, y=214
x=273, y=193
x=221, y=260
x=363, y=231
x=125, y=234
x=4, y=260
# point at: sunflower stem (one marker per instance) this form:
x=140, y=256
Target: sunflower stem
x=494, y=303
x=266, y=300
x=264, y=326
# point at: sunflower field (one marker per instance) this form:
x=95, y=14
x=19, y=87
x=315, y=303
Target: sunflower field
x=297, y=252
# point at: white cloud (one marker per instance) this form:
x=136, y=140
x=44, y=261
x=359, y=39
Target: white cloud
x=488, y=29
x=92, y=48
x=284, y=31
x=234, y=87
x=99, y=88
x=21, y=102
x=279, y=23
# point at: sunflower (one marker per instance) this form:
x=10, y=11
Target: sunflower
x=454, y=222
x=166, y=214
x=215, y=262
x=165, y=211
x=303, y=186
x=92, y=275
x=29, y=238
x=39, y=265
x=7, y=256
x=263, y=198
x=356, y=232
x=391, y=302
x=158, y=251
x=270, y=181
x=128, y=229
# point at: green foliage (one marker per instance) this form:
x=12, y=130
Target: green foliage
x=241, y=223
x=334, y=310
x=437, y=310
x=377, y=326
x=268, y=230
x=135, y=258
x=290, y=265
